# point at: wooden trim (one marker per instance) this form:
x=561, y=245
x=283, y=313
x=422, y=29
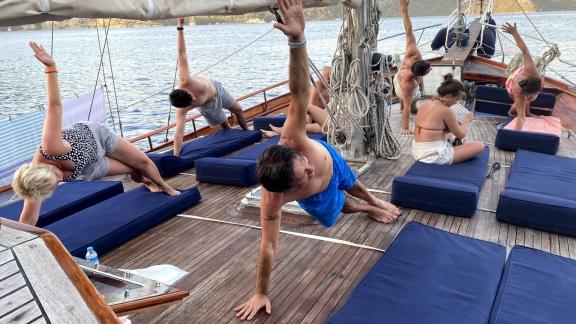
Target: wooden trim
x=272, y=106
x=22, y=227
x=262, y=108
x=262, y=90
x=91, y=296
x=149, y=302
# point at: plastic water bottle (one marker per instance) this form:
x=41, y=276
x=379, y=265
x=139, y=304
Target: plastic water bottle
x=91, y=255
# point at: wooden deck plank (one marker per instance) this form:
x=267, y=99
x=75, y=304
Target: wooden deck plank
x=8, y=269
x=6, y=256
x=563, y=243
x=14, y=300
x=11, y=284
x=64, y=305
x=572, y=247
x=310, y=279
x=10, y=237
x=26, y=313
x=554, y=244
x=546, y=242
x=459, y=54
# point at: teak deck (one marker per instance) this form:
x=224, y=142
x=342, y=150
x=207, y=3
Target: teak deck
x=311, y=278
x=39, y=282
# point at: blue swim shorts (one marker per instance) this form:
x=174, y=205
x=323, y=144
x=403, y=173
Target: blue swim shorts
x=326, y=206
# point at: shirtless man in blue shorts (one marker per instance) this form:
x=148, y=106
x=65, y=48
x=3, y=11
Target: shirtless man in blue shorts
x=209, y=96
x=301, y=169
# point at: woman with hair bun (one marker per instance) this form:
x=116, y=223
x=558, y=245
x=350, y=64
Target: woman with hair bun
x=525, y=83
x=435, y=120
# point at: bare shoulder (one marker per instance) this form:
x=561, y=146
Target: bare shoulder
x=37, y=156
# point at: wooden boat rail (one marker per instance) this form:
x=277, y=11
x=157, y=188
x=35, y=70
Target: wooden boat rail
x=266, y=107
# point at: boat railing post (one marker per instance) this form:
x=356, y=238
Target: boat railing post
x=150, y=142
x=265, y=101
x=194, y=127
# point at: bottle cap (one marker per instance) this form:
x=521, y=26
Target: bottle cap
x=89, y=248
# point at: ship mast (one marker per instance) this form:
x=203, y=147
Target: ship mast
x=359, y=123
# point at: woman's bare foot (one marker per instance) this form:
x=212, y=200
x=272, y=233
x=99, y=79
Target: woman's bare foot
x=268, y=134
x=278, y=130
x=151, y=186
x=172, y=192
x=156, y=188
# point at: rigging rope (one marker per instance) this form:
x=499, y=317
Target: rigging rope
x=114, y=89
x=530, y=20
x=104, y=77
x=170, y=109
x=354, y=102
x=52, y=40
x=99, y=67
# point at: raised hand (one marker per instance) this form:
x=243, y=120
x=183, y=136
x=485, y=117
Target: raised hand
x=42, y=55
x=294, y=22
x=248, y=310
x=509, y=28
x=181, y=22
x=404, y=3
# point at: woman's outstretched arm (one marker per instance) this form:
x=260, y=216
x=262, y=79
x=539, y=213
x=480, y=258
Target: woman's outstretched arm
x=52, y=142
x=528, y=61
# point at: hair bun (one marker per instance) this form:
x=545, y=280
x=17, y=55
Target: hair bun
x=448, y=77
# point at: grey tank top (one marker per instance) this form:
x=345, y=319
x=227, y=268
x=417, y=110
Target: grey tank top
x=84, y=149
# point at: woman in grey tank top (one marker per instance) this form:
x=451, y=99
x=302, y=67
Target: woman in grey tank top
x=85, y=151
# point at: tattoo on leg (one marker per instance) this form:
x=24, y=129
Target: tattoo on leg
x=271, y=217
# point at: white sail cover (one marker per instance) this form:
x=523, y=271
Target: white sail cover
x=22, y=12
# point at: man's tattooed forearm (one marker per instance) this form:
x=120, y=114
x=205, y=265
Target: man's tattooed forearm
x=271, y=217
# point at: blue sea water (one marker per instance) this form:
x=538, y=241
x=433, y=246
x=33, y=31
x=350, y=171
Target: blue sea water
x=144, y=60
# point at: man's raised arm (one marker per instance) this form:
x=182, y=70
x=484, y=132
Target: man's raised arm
x=411, y=46
x=183, y=70
x=298, y=74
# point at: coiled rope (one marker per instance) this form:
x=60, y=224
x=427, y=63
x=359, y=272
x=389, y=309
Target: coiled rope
x=360, y=99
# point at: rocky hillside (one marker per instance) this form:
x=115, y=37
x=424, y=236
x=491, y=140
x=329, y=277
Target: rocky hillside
x=417, y=8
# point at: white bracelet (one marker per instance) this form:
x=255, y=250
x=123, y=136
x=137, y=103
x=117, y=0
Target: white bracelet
x=302, y=44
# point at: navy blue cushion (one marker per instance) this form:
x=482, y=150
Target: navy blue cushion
x=233, y=172
x=238, y=169
x=540, y=193
x=428, y=276
x=214, y=145
x=253, y=152
x=263, y=122
x=512, y=140
x=447, y=189
x=496, y=101
x=537, y=287
x=66, y=200
x=115, y=221
x=169, y=165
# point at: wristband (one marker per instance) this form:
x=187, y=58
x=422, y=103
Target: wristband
x=50, y=69
x=302, y=44
x=179, y=28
